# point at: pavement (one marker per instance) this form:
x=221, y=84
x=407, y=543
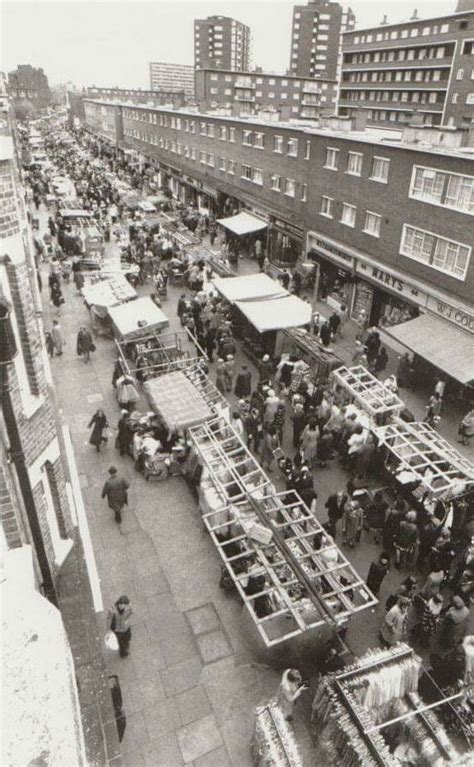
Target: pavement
x=196, y=669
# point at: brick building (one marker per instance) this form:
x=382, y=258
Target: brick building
x=30, y=84
x=316, y=38
x=156, y=97
x=221, y=43
x=172, y=77
x=421, y=66
x=389, y=222
x=298, y=97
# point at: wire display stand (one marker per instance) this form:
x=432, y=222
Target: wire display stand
x=368, y=392
x=289, y=574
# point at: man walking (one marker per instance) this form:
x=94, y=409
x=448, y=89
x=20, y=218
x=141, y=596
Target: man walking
x=115, y=490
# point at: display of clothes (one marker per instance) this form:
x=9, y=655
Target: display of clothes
x=274, y=743
x=392, y=680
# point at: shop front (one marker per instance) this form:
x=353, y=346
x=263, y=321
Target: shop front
x=336, y=271
x=386, y=298
x=284, y=243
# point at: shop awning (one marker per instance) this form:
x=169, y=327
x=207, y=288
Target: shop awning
x=242, y=223
x=137, y=318
x=179, y=403
x=276, y=313
x=443, y=345
x=251, y=287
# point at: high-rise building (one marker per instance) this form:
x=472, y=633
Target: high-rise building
x=26, y=83
x=221, y=43
x=420, y=69
x=172, y=77
x=316, y=38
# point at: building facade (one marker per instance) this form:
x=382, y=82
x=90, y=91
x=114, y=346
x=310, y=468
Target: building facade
x=172, y=77
x=389, y=222
x=250, y=91
x=316, y=38
x=138, y=95
x=422, y=68
x=26, y=83
x=221, y=43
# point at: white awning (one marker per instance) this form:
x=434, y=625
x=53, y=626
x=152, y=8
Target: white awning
x=137, y=318
x=441, y=343
x=242, y=223
x=250, y=287
x=277, y=313
x=111, y=292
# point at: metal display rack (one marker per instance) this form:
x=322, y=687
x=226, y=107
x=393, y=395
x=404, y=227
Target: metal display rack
x=428, y=457
x=273, y=538
x=161, y=353
x=368, y=392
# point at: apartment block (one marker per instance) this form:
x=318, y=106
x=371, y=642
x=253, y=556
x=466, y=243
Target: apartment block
x=295, y=96
x=172, y=77
x=316, y=38
x=422, y=69
x=221, y=43
x=155, y=97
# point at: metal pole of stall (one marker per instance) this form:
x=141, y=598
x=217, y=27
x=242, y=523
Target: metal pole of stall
x=314, y=297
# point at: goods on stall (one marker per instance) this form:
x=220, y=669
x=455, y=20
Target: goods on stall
x=361, y=387
x=274, y=743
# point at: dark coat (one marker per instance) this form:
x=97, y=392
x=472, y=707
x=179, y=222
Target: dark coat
x=243, y=384
x=99, y=422
x=115, y=490
x=336, y=508
x=377, y=573
x=84, y=341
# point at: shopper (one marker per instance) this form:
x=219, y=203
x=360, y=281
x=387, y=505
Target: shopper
x=229, y=372
x=243, y=382
x=352, y=523
x=381, y=361
x=99, y=424
x=309, y=442
x=49, y=343
x=453, y=624
x=377, y=572
x=57, y=337
x=124, y=433
x=84, y=344
x=115, y=490
x=265, y=369
x=299, y=419
x=406, y=541
x=336, y=507
x=394, y=626
x=237, y=424
x=290, y=689
x=119, y=622
x=404, y=371
x=466, y=428
x=220, y=377
x=254, y=429
x=270, y=444
x=428, y=625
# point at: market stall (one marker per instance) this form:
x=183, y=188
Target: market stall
x=158, y=353
x=274, y=741
x=425, y=464
x=372, y=715
x=103, y=295
x=363, y=389
x=177, y=401
x=288, y=572
x=250, y=287
x=300, y=343
x=136, y=319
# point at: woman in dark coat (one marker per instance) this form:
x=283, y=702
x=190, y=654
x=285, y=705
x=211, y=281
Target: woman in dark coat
x=84, y=343
x=99, y=423
x=381, y=360
x=124, y=434
x=56, y=296
x=243, y=382
x=325, y=334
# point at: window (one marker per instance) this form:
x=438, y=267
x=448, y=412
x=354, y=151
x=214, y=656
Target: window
x=276, y=183
x=278, y=144
x=202, y=129
x=435, y=251
x=307, y=154
x=372, y=224
x=259, y=140
x=444, y=28
x=292, y=147
x=246, y=172
x=257, y=176
x=290, y=187
x=460, y=74
x=222, y=163
x=380, y=166
x=304, y=191
x=210, y=131
x=354, y=163
x=331, y=158
x=232, y=134
x=231, y=167
x=202, y=157
x=192, y=127
x=247, y=138
x=223, y=133
x=450, y=190
x=470, y=98
x=326, y=206
x=348, y=214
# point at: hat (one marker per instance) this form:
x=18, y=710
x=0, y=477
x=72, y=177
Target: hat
x=123, y=600
x=112, y=470
x=266, y=358
x=271, y=393
x=124, y=412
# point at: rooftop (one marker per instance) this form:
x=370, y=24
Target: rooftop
x=404, y=22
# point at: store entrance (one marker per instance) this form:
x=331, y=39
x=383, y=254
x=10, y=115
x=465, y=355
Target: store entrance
x=388, y=310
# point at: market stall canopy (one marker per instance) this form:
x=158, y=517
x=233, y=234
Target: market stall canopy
x=425, y=456
x=147, y=206
x=276, y=313
x=372, y=396
x=242, y=223
x=137, y=318
x=111, y=292
x=443, y=345
x=251, y=287
x=177, y=400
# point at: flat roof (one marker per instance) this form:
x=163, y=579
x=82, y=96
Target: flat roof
x=266, y=74
x=404, y=22
x=381, y=137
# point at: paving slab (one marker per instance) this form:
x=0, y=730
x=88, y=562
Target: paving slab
x=161, y=717
x=203, y=619
x=217, y=758
x=213, y=646
x=192, y=704
x=199, y=738
x=181, y=676
x=163, y=752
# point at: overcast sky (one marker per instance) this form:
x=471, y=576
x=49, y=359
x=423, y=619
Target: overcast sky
x=110, y=43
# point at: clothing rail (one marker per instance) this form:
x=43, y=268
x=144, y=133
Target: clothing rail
x=380, y=662
x=366, y=736
x=416, y=712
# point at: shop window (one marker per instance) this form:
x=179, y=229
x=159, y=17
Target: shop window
x=372, y=224
x=354, y=163
x=326, y=206
x=348, y=215
x=444, y=255
x=331, y=158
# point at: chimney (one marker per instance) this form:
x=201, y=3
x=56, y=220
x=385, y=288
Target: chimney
x=384, y=20
x=414, y=16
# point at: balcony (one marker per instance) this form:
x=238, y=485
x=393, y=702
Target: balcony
x=311, y=101
x=242, y=82
x=311, y=88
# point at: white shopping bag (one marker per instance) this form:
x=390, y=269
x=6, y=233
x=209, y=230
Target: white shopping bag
x=111, y=641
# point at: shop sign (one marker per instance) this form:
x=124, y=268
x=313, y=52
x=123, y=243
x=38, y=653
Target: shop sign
x=288, y=228
x=451, y=313
x=329, y=250
x=391, y=282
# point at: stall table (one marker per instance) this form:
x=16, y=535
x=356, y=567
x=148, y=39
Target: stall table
x=137, y=318
x=177, y=401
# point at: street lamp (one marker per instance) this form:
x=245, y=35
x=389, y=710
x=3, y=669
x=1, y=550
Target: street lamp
x=8, y=352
